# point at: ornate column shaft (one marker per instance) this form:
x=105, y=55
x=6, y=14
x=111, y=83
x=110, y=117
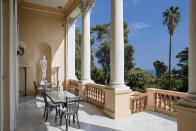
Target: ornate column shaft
x=70, y=48
x=117, y=45
x=86, y=54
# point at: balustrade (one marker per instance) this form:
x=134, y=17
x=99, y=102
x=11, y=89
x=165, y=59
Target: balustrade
x=95, y=92
x=138, y=103
x=73, y=84
x=156, y=100
x=165, y=101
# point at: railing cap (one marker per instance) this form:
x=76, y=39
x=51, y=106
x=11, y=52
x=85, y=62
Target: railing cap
x=151, y=89
x=167, y=92
x=96, y=85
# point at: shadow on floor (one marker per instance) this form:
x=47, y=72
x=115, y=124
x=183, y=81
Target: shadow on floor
x=90, y=109
x=162, y=115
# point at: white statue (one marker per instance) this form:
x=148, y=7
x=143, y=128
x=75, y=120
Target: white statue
x=43, y=63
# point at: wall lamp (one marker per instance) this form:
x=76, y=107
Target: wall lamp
x=21, y=49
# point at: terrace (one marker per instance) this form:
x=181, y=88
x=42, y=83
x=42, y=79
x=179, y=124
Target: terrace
x=30, y=117
x=151, y=111
x=48, y=28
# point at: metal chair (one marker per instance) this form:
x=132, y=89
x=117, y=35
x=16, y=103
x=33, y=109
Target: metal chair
x=71, y=110
x=35, y=86
x=76, y=92
x=56, y=87
x=49, y=106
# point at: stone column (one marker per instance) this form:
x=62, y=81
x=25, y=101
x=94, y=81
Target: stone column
x=186, y=107
x=70, y=48
x=190, y=99
x=117, y=95
x=85, y=7
x=192, y=53
x=117, y=45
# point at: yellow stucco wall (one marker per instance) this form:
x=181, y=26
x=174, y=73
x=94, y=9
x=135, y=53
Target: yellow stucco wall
x=43, y=34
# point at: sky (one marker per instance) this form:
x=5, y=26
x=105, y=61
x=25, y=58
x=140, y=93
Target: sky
x=148, y=36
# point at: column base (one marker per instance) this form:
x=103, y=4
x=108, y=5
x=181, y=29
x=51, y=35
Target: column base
x=189, y=100
x=186, y=118
x=118, y=87
x=87, y=81
x=71, y=78
x=117, y=103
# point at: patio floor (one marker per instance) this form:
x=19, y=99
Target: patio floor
x=30, y=118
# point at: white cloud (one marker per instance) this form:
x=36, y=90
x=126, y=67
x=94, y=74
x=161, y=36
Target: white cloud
x=139, y=25
x=136, y=27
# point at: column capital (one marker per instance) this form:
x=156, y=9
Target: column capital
x=85, y=6
x=70, y=21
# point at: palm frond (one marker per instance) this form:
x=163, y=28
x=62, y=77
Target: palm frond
x=171, y=18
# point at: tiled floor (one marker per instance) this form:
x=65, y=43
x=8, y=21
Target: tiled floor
x=30, y=118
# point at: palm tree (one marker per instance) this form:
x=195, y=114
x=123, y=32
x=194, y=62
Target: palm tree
x=171, y=18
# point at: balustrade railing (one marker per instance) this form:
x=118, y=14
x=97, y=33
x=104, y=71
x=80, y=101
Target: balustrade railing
x=95, y=94
x=165, y=101
x=159, y=100
x=73, y=84
x=138, y=103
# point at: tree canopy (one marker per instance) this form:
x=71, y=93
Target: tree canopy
x=171, y=18
x=101, y=35
x=160, y=68
x=183, y=71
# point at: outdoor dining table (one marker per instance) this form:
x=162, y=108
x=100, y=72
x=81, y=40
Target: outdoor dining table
x=60, y=96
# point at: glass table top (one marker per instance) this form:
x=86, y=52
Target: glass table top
x=59, y=96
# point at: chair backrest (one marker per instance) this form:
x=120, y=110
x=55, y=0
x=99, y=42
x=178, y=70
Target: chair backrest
x=76, y=92
x=35, y=86
x=45, y=97
x=57, y=85
x=72, y=104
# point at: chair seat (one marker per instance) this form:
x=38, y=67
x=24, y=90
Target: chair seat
x=63, y=109
x=52, y=104
x=71, y=112
x=40, y=88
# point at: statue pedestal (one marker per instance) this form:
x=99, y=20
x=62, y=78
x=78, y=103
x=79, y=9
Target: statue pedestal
x=43, y=82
